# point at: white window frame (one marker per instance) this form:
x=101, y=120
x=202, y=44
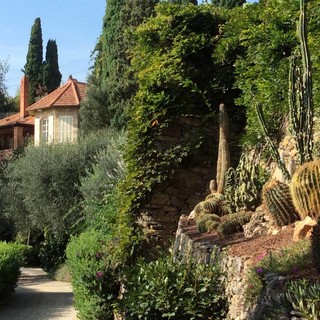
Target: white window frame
x=65, y=129
x=45, y=130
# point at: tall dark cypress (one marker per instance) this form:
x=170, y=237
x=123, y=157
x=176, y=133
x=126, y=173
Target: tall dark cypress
x=33, y=66
x=185, y=1
x=51, y=73
x=111, y=86
x=228, y=3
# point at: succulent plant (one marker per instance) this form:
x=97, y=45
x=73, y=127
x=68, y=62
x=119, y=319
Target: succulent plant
x=277, y=199
x=223, y=161
x=305, y=190
x=244, y=184
x=234, y=223
x=207, y=222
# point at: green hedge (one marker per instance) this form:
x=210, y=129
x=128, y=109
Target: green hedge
x=167, y=289
x=12, y=257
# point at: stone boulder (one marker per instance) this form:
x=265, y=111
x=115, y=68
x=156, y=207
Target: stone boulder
x=303, y=229
x=259, y=224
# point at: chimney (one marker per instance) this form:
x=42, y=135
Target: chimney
x=24, y=96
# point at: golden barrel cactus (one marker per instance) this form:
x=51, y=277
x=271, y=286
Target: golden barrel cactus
x=305, y=190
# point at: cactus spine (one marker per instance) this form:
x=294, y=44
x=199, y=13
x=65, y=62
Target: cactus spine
x=278, y=201
x=301, y=94
x=223, y=162
x=305, y=190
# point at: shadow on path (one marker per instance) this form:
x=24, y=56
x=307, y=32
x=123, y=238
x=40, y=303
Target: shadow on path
x=39, y=298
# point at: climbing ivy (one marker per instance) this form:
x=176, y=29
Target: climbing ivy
x=173, y=64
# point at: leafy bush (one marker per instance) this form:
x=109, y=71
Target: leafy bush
x=167, y=289
x=286, y=261
x=108, y=168
x=96, y=260
x=52, y=252
x=12, y=257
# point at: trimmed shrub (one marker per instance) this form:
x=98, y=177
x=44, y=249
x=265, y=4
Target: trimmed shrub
x=167, y=289
x=12, y=257
x=96, y=260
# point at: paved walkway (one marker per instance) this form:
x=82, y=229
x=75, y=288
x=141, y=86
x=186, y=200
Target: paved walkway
x=39, y=298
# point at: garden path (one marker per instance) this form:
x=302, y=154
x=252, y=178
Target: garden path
x=39, y=298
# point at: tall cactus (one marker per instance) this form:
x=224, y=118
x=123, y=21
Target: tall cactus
x=305, y=190
x=223, y=162
x=301, y=94
x=300, y=101
x=244, y=184
x=277, y=199
x=274, y=151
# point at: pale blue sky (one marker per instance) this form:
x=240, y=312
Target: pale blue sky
x=74, y=24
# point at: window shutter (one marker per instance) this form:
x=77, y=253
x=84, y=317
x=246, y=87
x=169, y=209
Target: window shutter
x=36, y=131
x=51, y=131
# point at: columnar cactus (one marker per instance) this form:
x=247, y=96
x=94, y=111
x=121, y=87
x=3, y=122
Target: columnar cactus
x=305, y=190
x=223, y=162
x=301, y=94
x=278, y=201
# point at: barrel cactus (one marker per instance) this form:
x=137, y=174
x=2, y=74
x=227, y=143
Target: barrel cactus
x=234, y=223
x=207, y=222
x=305, y=190
x=278, y=202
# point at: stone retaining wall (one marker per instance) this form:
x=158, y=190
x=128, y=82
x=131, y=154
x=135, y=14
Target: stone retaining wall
x=203, y=249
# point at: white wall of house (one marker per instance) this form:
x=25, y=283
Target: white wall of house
x=56, y=125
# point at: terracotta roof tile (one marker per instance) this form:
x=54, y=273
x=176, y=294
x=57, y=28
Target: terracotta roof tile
x=70, y=94
x=16, y=119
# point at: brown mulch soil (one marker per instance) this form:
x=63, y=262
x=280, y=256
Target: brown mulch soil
x=252, y=248
x=241, y=246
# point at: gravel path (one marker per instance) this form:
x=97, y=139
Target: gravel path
x=39, y=298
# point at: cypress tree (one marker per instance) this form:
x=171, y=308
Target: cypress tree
x=228, y=3
x=111, y=86
x=185, y=1
x=51, y=73
x=33, y=66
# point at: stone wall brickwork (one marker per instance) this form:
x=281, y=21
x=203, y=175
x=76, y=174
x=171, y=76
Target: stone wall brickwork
x=189, y=183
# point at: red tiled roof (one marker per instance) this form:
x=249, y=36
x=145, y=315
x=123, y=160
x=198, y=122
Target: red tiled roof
x=70, y=94
x=15, y=119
